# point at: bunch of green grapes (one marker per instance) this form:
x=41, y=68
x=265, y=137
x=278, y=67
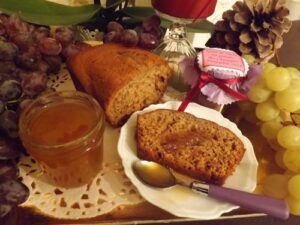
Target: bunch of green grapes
x=277, y=96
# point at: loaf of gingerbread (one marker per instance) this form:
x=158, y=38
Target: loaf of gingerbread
x=123, y=80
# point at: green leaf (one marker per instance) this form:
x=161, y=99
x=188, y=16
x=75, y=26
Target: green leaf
x=48, y=13
x=141, y=13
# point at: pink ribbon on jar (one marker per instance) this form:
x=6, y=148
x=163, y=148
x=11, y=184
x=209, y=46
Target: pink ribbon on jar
x=204, y=79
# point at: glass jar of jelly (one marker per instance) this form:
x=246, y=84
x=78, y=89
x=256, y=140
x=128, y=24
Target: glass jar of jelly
x=63, y=132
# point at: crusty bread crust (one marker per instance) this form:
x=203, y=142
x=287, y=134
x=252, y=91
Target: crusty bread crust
x=192, y=146
x=107, y=70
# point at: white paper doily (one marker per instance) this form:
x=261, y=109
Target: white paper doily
x=110, y=189
x=61, y=81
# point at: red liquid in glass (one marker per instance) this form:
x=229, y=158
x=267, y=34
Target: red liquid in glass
x=187, y=9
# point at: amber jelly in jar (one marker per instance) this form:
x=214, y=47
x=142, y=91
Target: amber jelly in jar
x=63, y=132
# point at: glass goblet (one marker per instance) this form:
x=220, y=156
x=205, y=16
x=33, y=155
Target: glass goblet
x=176, y=46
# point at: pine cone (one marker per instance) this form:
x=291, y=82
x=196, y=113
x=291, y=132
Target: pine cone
x=252, y=27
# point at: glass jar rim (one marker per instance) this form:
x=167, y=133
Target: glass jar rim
x=63, y=94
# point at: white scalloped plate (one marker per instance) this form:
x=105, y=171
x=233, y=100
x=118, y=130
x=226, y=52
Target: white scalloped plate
x=181, y=201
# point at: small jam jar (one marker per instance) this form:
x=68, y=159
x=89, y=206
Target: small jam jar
x=63, y=132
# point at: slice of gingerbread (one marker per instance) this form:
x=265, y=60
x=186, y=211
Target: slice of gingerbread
x=192, y=146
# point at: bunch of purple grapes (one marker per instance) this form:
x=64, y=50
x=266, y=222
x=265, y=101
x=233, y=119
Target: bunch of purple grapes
x=12, y=190
x=147, y=36
x=28, y=54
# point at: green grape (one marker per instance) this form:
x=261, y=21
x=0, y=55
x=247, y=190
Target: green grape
x=291, y=159
x=289, y=173
x=295, y=84
x=278, y=79
x=275, y=186
x=289, y=99
x=259, y=92
x=275, y=145
x=294, y=72
x=270, y=128
x=296, y=149
x=294, y=205
x=250, y=59
x=267, y=110
x=289, y=137
x=279, y=159
x=267, y=68
x=294, y=187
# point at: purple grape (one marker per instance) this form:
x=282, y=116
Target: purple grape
x=114, y=26
x=3, y=18
x=5, y=209
x=33, y=83
x=8, y=170
x=13, y=192
x=9, y=149
x=8, y=51
x=152, y=25
x=156, y=32
x=50, y=46
x=8, y=67
x=34, y=50
x=2, y=29
x=24, y=103
x=13, y=75
x=4, y=77
x=22, y=40
x=15, y=24
x=10, y=90
x=9, y=123
x=111, y=36
x=2, y=106
x=27, y=60
x=74, y=48
x=65, y=35
x=41, y=33
x=12, y=105
x=42, y=65
x=148, y=41
x=129, y=38
x=154, y=19
x=53, y=62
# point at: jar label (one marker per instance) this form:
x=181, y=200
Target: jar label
x=222, y=58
